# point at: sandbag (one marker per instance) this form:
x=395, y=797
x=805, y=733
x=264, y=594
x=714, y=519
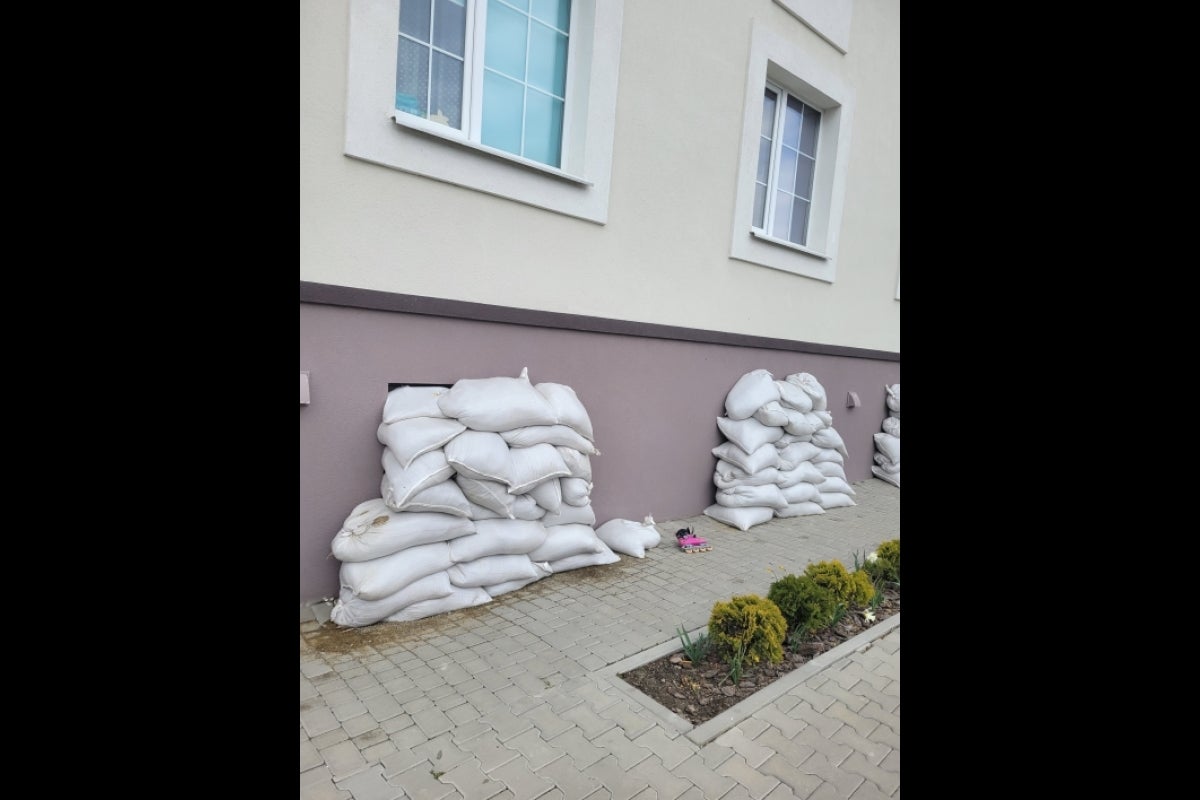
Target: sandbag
x=492, y=495
x=401, y=483
x=830, y=470
x=836, y=485
x=888, y=445
x=568, y=514
x=825, y=417
x=828, y=455
x=478, y=512
x=526, y=508
x=748, y=434
x=557, y=435
x=351, y=611
x=815, y=420
x=441, y=498
x=410, y=402
x=796, y=454
x=886, y=464
x=799, y=510
x=772, y=414
x=804, y=472
x=409, y=438
x=380, y=577
x=893, y=479
x=530, y=466
x=751, y=392
x=497, y=404
x=828, y=437
x=800, y=493
x=793, y=397
x=798, y=424
x=373, y=530
x=568, y=408
x=892, y=425
x=575, y=491
x=893, y=398
x=548, y=495
x=459, y=598
x=578, y=463
x=742, y=496
x=605, y=556
x=741, y=518
x=480, y=455
x=762, y=458
x=812, y=387
x=567, y=540
x=828, y=500
x=498, y=589
x=628, y=537
x=494, y=569
x=498, y=537
x=736, y=477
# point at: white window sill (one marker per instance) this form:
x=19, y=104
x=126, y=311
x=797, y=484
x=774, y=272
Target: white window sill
x=448, y=134
x=757, y=234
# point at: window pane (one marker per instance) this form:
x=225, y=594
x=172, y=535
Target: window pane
x=543, y=127
x=768, y=118
x=521, y=4
x=445, y=104
x=760, y=203
x=812, y=126
x=502, y=110
x=791, y=123
x=804, y=176
x=547, y=59
x=412, y=78
x=799, y=221
x=554, y=12
x=783, y=215
x=764, y=160
x=450, y=25
x=505, y=48
x=787, y=169
x=414, y=18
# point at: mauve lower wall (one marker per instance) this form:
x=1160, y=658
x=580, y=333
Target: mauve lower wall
x=653, y=405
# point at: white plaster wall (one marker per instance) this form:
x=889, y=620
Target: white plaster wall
x=663, y=256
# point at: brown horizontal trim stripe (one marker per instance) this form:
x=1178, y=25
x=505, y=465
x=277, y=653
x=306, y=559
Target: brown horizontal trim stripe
x=370, y=299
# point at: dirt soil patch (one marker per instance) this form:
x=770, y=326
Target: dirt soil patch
x=698, y=692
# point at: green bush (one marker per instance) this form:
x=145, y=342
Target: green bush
x=748, y=621
x=806, y=605
x=886, y=566
x=845, y=587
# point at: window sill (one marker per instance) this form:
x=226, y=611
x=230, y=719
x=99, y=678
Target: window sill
x=789, y=245
x=447, y=134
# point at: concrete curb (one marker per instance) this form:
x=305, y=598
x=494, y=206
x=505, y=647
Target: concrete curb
x=704, y=733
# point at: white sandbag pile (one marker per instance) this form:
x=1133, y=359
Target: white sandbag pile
x=486, y=488
x=782, y=457
x=887, y=444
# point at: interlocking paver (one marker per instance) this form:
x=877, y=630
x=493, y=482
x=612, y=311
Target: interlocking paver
x=534, y=748
x=369, y=738
x=757, y=783
x=462, y=714
x=519, y=777
x=432, y=722
x=488, y=750
x=799, y=782
x=330, y=738
x=361, y=724
x=419, y=783
x=548, y=723
x=581, y=751
x=783, y=792
x=318, y=720
x=614, y=777
x=847, y=698
x=323, y=790
x=377, y=752
x=404, y=759
x=672, y=751
x=856, y=669
x=633, y=723
x=710, y=782
x=889, y=718
x=570, y=779
x=845, y=782
x=468, y=731
x=886, y=780
x=825, y=726
x=621, y=747
x=471, y=782
x=834, y=752
x=397, y=724
x=874, y=751
x=370, y=785
x=891, y=762
x=343, y=760
x=752, y=752
x=887, y=702
x=663, y=782
x=714, y=755
x=794, y=752
x=505, y=723
x=868, y=791
x=591, y=723
x=861, y=725
x=885, y=736
x=778, y=719
x=442, y=752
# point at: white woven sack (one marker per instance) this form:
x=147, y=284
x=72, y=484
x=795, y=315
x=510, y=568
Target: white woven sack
x=578, y=463
x=828, y=500
x=762, y=458
x=793, y=397
x=892, y=478
x=409, y=438
x=459, y=598
x=498, y=537
x=400, y=484
x=828, y=454
x=568, y=514
x=798, y=424
x=605, y=556
x=772, y=414
x=739, y=478
x=830, y=470
x=743, y=496
x=800, y=493
x=441, y=498
x=557, y=435
x=751, y=392
x=576, y=491
x=492, y=495
x=380, y=577
x=804, y=472
x=373, y=530
x=812, y=387
x=530, y=466
x=796, y=454
x=892, y=425
x=741, y=518
x=494, y=569
x=567, y=540
x=409, y=402
x=480, y=455
x=799, y=510
x=828, y=437
x=886, y=464
x=748, y=434
x=525, y=507
x=548, y=495
x=568, y=408
x=836, y=485
x=497, y=404
x=628, y=537
x=888, y=445
x=352, y=611
x=498, y=589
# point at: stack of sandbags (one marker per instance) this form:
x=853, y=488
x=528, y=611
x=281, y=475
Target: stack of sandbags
x=887, y=444
x=782, y=457
x=502, y=464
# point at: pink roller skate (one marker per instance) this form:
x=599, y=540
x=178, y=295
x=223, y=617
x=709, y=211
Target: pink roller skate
x=689, y=542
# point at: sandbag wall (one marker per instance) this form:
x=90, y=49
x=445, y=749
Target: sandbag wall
x=782, y=457
x=887, y=444
x=486, y=488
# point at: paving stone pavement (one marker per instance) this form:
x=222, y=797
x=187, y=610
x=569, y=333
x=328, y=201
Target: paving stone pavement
x=503, y=701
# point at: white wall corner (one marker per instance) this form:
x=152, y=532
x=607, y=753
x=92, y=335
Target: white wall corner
x=829, y=19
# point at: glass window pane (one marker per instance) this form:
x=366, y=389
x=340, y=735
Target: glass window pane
x=804, y=176
x=412, y=78
x=768, y=118
x=764, y=160
x=799, y=221
x=543, y=127
x=787, y=169
x=783, y=215
x=502, y=111
x=547, y=59
x=521, y=4
x=760, y=203
x=450, y=25
x=414, y=18
x=791, y=122
x=445, y=102
x=505, y=48
x=554, y=12
x=812, y=126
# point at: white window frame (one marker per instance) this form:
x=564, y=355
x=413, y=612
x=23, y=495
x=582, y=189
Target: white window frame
x=378, y=133
x=775, y=59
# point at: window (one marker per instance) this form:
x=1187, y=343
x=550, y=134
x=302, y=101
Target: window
x=513, y=98
x=787, y=162
x=520, y=76
x=793, y=160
